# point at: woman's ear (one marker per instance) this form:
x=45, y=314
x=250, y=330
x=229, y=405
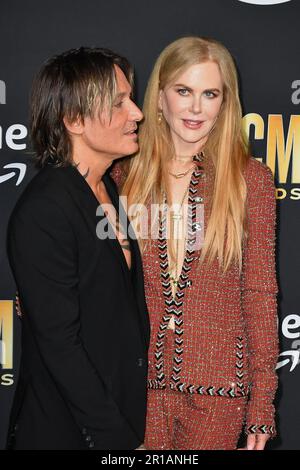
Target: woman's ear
x=74, y=127
x=160, y=98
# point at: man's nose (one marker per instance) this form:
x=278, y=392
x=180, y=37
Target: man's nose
x=136, y=113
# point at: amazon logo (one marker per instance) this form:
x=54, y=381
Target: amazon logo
x=290, y=329
x=2, y=92
x=15, y=132
x=292, y=358
x=19, y=171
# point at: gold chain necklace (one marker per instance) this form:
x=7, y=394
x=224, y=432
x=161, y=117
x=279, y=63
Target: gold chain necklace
x=181, y=175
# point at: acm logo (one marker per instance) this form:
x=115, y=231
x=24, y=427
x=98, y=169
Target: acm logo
x=6, y=341
x=282, y=149
x=282, y=152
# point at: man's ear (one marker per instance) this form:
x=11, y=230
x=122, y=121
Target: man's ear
x=74, y=127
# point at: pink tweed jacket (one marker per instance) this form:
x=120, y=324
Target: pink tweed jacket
x=226, y=341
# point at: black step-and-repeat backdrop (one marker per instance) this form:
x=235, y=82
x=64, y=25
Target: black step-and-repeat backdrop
x=264, y=38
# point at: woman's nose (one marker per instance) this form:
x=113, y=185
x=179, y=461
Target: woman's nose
x=196, y=105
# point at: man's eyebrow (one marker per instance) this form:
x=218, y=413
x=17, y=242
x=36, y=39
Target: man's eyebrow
x=123, y=94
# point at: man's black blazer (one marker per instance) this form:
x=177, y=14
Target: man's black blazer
x=85, y=330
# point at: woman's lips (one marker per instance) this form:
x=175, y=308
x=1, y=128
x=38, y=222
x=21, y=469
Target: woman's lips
x=192, y=123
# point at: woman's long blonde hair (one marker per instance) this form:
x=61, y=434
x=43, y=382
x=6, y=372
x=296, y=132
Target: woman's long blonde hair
x=226, y=146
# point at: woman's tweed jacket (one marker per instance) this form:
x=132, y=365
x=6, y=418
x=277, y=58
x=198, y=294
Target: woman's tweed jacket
x=226, y=341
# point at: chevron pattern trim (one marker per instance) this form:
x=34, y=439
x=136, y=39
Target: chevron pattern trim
x=207, y=390
x=201, y=390
x=173, y=306
x=240, y=362
x=263, y=429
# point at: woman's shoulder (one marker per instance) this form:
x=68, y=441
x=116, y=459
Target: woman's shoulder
x=260, y=185
x=257, y=173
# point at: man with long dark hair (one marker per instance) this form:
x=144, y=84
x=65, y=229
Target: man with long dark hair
x=85, y=331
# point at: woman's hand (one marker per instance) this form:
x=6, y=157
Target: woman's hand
x=256, y=442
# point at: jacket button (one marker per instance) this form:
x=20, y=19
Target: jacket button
x=197, y=226
x=91, y=444
x=140, y=362
x=84, y=431
x=88, y=438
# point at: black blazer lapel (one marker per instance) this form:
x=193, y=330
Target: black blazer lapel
x=93, y=214
x=137, y=269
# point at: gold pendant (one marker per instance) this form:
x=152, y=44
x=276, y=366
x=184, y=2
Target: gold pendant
x=173, y=280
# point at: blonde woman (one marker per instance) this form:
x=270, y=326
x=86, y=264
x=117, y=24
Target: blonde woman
x=210, y=272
